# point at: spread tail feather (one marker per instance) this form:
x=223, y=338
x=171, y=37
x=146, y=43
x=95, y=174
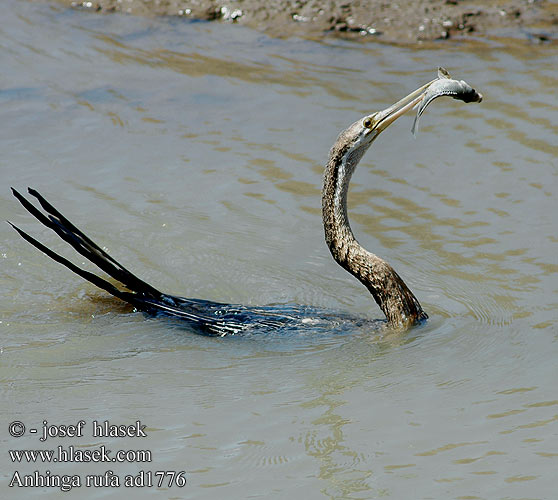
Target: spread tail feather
x=205, y=317
x=86, y=247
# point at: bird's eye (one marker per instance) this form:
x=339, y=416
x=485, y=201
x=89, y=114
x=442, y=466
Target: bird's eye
x=367, y=123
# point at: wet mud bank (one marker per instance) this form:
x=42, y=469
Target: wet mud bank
x=404, y=22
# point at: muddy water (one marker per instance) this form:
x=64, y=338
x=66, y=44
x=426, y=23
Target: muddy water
x=194, y=154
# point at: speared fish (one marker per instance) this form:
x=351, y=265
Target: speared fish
x=445, y=85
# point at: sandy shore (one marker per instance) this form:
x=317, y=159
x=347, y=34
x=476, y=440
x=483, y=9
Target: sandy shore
x=402, y=21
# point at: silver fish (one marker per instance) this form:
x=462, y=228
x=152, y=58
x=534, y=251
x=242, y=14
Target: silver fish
x=445, y=86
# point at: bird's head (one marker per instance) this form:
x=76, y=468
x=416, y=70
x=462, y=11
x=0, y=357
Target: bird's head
x=363, y=132
x=356, y=139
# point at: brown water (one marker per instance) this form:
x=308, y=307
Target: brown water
x=194, y=153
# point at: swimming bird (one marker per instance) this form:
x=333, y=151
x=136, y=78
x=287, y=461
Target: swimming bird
x=400, y=306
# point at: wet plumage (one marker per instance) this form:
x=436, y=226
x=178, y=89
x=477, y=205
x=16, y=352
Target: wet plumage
x=401, y=308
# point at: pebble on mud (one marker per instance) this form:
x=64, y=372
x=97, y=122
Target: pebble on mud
x=397, y=22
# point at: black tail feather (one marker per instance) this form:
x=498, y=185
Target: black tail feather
x=86, y=247
x=93, y=278
x=203, y=316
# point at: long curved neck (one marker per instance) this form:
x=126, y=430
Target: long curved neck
x=398, y=303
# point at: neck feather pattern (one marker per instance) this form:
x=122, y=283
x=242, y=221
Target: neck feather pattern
x=398, y=303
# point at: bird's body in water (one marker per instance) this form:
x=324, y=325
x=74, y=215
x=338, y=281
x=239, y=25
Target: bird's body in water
x=398, y=303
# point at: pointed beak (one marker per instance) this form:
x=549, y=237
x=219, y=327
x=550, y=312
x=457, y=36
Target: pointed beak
x=385, y=118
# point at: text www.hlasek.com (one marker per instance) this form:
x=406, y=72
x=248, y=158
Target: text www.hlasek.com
x=71, y=454
x=85, y=454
